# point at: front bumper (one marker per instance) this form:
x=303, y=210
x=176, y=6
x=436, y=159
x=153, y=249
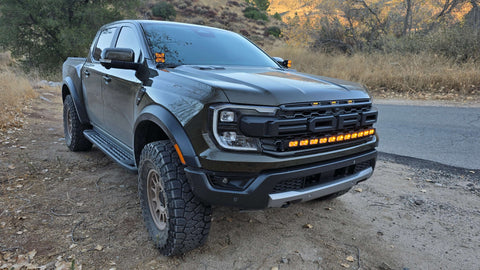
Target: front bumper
x=277, y=188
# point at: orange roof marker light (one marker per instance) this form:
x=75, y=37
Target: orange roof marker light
x=323, y=140
x=159, y=58
x=371, y=131
x=348, y=137
x=313, y=141
x=340, y=138
x=288, y=63
x=332, y=139
x=303, y=142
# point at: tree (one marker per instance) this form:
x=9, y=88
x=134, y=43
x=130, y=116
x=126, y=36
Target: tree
x=43, y=33
x=407, y=23
x=164, y=10
x=262, y=5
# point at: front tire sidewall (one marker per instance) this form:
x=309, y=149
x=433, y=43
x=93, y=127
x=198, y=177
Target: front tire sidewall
x=157, y=235
x=185, y=220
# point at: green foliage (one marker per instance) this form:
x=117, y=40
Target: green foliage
x=254, y=13
x=274, y=31
x=164, y=10
x=45, y=32
x=262, y=5
x=277, y=16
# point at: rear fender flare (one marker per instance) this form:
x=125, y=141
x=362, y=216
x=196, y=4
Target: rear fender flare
x=172, y=128
x=69, y=88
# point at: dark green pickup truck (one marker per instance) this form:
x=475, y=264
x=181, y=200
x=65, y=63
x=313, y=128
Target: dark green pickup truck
x=207, y=118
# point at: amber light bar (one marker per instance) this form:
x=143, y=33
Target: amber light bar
x=332, y=139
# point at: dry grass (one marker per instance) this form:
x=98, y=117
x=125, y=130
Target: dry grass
x=421, y=76
x=15, y=91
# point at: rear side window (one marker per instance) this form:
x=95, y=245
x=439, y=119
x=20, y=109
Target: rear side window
x=104, y=41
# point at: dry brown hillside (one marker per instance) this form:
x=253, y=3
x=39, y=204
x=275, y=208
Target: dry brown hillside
x=225, y=14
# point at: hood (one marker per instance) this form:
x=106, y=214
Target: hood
x=269, y=86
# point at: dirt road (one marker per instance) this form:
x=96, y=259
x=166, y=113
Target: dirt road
x=80, y=211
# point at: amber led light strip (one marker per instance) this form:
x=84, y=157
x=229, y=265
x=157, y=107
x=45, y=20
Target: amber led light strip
x=332, y=139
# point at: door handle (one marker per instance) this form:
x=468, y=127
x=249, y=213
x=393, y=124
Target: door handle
x=87, y=73
x=107, y=78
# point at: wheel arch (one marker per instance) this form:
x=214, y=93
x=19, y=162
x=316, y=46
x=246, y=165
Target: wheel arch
x=157, y=123
x=68, y=88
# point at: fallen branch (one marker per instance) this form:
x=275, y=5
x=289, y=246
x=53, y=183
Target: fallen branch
x=97, y=182
x=73, y=231
x=5, y=249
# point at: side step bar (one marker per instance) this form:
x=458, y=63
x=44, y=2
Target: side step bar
x=112, y=149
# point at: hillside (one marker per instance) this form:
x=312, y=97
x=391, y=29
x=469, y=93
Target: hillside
x=389, y=9
x=225, y=14
x=290, y=8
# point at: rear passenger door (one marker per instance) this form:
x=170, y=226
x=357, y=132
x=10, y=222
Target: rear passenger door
x=92, y=73
x=120, y=89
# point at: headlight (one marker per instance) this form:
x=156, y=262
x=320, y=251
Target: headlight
x=226, y=118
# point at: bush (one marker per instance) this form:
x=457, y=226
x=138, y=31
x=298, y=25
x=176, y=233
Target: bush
x=274, y=31
x=254, y=13
x=277, y=16
x=262, y=5
x=455, y=42
x=164, y=10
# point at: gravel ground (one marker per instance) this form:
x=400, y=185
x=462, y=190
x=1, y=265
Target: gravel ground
x=67, y=210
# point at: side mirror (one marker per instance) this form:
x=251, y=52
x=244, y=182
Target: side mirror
x=118, y=58
x=283, y=63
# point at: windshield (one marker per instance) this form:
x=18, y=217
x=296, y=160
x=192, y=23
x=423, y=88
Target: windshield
x=196, y=45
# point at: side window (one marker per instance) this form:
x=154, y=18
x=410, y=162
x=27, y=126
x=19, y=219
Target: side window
x=104, y=41
x=128, y=39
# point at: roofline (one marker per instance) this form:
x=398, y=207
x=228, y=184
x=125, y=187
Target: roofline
x=140, y=22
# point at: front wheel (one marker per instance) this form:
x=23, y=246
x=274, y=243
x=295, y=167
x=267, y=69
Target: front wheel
x=176, y=220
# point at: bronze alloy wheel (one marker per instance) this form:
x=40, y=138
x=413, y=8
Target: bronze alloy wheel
x=69, y=125
x=157, y=199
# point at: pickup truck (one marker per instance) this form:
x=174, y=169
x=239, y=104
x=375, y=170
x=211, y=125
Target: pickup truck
x=207, y=118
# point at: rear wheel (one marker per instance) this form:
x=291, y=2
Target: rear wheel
x=73, y=128
x=176, y=220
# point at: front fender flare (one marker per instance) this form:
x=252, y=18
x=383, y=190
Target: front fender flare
x=173, y=129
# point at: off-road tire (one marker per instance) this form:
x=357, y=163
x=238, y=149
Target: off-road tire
x=182, y=222
x=73, y=128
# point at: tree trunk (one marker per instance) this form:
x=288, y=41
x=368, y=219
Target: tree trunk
x=407, y=23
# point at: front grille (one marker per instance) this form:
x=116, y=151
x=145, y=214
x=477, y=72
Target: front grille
x=317, y=179
x=303, y=121
x=307, y=110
